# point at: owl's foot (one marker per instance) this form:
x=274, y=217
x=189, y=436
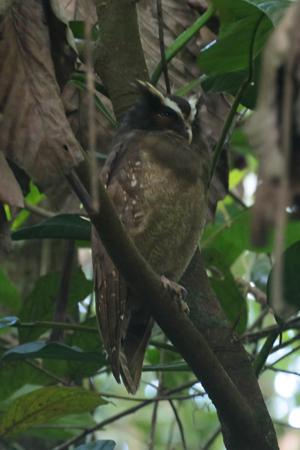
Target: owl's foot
x=178, y=293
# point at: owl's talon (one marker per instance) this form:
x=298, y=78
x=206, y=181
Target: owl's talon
x=178, y=293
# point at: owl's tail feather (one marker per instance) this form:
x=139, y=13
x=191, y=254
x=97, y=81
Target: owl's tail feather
x=133, y=350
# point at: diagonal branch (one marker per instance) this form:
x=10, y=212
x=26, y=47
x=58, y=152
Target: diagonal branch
x=179, y=329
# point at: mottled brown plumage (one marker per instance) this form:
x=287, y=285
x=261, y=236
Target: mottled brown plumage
x=157, y=177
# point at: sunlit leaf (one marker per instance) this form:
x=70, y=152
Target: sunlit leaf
x=8, y=321
x=46, y=404
x=53, y=350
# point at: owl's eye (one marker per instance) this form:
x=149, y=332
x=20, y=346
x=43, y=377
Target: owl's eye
x=165, y=114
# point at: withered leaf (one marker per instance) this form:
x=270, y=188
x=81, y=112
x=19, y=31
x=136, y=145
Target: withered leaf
x=35, y=133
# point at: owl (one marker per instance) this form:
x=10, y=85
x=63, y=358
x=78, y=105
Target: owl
x=156, y=174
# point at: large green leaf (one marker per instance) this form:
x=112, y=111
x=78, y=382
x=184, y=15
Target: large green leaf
x=46, y=404
x=231, y=81
x=274, y=9
x=40, y=304
x=53, y=350
x=290, y=303
x=239, y=19
x=97, y=445
x=231, y=51
x=63, y=226
x=225, y=287
x=73, y=369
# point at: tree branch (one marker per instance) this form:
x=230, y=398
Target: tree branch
x=179, y=329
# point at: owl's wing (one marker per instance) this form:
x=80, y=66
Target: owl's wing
x=125, y=334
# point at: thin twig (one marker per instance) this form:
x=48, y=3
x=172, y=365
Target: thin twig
x=157, y=398
x=38, y=210
x=212, y=439
x=45, y=372
x=267, y=367
x=153, y=426
x=118, y=416
x=162, y=45
x=155, y=409
x=252, y=337
x=286, y=343
x=237, y=199
x=258, y=322
x=285, y=356
x=179, y=423
x=60, y=326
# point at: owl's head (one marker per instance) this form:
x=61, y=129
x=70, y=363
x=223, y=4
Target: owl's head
x=155, y=111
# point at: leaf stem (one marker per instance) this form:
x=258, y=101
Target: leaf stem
x=261, y=358
x=180, y=42
x=57, y=325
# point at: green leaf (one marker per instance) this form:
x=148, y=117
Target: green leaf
x=232, y=238
x=63, y=226
x=63, y=428
x=88, y=342
x=230, y=53
x=239, y=143
x=78, y=29
x=40, y=304
x=231, y=81
x=97, y=445
x=8, y=321
x=274, y=9
x=10, y=297
x=34, y=197
x=260, y=272
x=46, y=404
x=233, y=303
x=15, y=375
x=80, y=76
x=291, y=283
x=54, y=350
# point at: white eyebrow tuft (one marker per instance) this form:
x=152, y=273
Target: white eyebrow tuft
x=193, y=102
x=168, y=102
x=152, y=90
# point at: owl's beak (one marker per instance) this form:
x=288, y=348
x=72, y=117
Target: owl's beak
x=189, y=132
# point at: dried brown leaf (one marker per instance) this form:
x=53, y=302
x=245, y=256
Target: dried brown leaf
x=35, y=133
x=63, y=47
x=10, y=191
